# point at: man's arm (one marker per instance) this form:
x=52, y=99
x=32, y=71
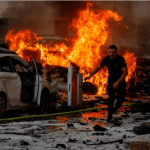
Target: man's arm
x=125, y=73
x=93, y=72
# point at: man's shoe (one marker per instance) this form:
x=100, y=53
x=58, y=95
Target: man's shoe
x=108, y=120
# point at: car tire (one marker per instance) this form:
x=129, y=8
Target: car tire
x=2, y=105
x=45, y=102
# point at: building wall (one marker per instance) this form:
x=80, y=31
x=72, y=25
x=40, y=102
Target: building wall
x=3, y=6
x=20, y=24
x=3, y=22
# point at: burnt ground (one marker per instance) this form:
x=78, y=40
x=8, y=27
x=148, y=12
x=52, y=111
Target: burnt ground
x=84, y=130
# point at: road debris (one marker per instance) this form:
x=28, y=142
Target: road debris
x=99, y=128
x=72, y=140
x=70, y=126
x=22, y=142
x=60, y=146
x=85, y=130
x=98, y=133
x=83, y=123
x=143, y=129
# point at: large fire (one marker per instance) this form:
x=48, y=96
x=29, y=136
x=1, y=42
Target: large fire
x=91, y=33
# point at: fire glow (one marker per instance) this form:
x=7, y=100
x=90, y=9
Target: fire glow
x=85, y=51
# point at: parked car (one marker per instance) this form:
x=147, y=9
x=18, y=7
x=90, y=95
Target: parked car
x=22, y=85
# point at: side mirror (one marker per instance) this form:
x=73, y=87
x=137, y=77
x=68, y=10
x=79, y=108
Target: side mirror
x=40, y=72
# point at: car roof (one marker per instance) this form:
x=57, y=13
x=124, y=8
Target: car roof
x=4, y=51
x=13, y=56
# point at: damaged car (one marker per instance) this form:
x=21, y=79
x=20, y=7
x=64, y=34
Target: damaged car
x=22, y=85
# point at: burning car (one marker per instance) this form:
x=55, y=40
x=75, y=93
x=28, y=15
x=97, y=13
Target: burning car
x=22, y=85
x=85, y=46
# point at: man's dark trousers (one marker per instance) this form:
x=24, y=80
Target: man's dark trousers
x=120, y=91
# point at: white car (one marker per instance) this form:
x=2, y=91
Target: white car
x=21, y=85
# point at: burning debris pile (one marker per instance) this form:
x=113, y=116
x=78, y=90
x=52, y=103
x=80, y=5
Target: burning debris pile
x=90, y=34
x=145, y=84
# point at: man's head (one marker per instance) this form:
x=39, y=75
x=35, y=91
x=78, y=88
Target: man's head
x=112, y=51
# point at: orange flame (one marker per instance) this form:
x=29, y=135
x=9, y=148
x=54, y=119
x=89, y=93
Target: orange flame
x=131, y=64
x=85, y=51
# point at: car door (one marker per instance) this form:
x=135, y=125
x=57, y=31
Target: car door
x=38, y=83
x=11, y=81
x=27, y=79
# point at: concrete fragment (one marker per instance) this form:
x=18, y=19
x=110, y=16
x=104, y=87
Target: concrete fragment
x=124, y=136
x=58, y=105
x=99, y=128
x=61, y=145
x=119, y=140
x=103, y=142
x=70, y=125
x=98, y=133
x=143, y=129
x=22, y=142
x=83, y=123
x=72, y=140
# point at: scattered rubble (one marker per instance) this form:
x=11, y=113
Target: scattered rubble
x=60, y=146
x=79, y=131
x=143, y=129
x=99, y=133
x=99, y=128
x=22, y=142
x=83, y=123
x=72, y=140
x=70, y=126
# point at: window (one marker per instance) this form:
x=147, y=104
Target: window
x=19, y=66
x=5, y=65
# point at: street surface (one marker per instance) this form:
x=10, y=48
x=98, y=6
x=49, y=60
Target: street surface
x=75, y=131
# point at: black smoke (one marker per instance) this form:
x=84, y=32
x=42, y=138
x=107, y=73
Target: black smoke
x=42, y=17
x=54, y=17
x=136, y=15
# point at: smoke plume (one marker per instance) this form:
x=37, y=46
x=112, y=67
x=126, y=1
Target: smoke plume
x=53, y=18
x=42, y=17
x=136, y=15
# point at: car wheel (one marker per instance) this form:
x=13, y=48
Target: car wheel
x=2, y=105
x=45, y=102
